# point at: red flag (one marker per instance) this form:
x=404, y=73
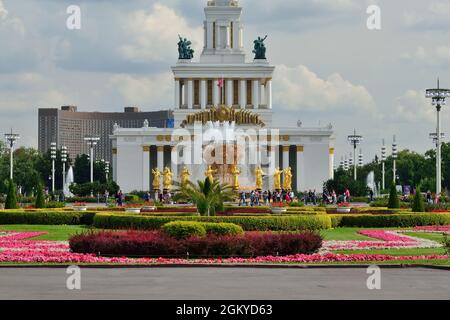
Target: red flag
x=221, y=83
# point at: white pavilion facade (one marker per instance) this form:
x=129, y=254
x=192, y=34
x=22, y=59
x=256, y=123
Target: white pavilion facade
x=223, y=111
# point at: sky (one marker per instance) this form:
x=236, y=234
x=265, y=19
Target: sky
x=330, y=68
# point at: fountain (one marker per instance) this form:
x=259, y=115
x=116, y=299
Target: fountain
x=69, y=181
x=371, y=184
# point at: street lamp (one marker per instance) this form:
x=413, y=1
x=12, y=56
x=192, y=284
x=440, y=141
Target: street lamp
x=345, y=163
x=92, y=142
x=383, y=163
x=438, y=97
x=355, y=140
x=107, y=170
x=64, y=160
x=11, y=138
x=394, y=157
x=53, y=157
x=360, y=158
x=433, y=136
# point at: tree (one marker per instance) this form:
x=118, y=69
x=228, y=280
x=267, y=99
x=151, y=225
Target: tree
x=11, y=198
x=418, y=203
x=207, y=196
x=394, y=201
x=40, y=201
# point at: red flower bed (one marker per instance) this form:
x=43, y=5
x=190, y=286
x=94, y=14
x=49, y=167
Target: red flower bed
x=176, y=209
x=440, y=211
x=158, y=244
x=245, y=210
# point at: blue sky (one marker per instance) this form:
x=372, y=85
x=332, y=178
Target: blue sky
x=330, y=67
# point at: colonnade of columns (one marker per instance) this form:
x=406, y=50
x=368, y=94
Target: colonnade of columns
x=239, y=93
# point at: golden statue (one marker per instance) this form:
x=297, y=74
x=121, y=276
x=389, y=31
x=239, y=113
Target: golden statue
x=156, y=179
x=210, y=174
x=235, y=173
x=259, y=173
x=277, y=179
x=167, y=181
x=287, y=185
x=185, y=174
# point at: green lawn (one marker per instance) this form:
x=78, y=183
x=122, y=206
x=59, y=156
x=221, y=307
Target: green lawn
x=344, y=234
x=55, y=233
x=438, y=237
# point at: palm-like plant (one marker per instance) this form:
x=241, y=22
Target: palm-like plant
x=206, y=195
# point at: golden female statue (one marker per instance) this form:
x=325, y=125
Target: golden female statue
x=156, y=179
x=235, y=173
x=167, y=181
x=287, y=185
x=259, y=173
x=210, y=174
x=185, y=174
x=277, y=179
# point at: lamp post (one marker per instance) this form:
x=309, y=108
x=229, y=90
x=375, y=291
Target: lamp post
x=92, y=142
x=383, y=165
x=345, y=163
x=433, y=136
x=64, y=160
x=438, y=97
x=394, y=158
x=355, y=140
x=11, y=138
x=107, y=170
x=53, y=157
x=360, y=158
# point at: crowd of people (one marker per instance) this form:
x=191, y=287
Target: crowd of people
x=256, y=198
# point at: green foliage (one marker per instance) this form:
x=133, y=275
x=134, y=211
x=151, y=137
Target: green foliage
x=184, y=229
x=390, y=221
x=82, y=170
x=208, y=197
x=84, y=190
x=223, y=229
x=264, y=223
x=394, y=201
x=418, y=203
x=133, y=199
x=40, y=201
x=47, y=218
x=343, y=180
x=55, y=205
x=11, y=197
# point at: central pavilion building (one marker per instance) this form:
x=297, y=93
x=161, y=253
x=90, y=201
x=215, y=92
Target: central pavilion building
x=223, y=111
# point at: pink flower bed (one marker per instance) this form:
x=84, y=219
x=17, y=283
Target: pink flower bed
x=386, y=235
x=443, y=229
x=14, y=248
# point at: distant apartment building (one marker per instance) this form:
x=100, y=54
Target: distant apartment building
x=68, y=127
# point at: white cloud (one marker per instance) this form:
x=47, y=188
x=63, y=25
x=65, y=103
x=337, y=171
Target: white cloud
x=144, y=91
x=3, y=11
x=153, y=34
x=436, y=16
x=438, y=56
x=299, y=88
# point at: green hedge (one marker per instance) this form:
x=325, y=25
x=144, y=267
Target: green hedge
x=184, y=229
x=390, y=221
x=289, y=223
x=47, y=218
x=223, y=229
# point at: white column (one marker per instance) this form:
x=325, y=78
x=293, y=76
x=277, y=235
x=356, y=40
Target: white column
x=228, y=41
x=177, y=94
x=216, y=88
x=114, y=164
x=190, y=96
x=236, y=34
x=203, y=94
x=285, y=157
x=185, y=94
x=255, y=94
x=262, y=97
x=272, y=165
x=218, y=40
x=243, y=94
x=299, y=169
x=145, y=168
x=174, y=163
x=331, y=164
x=269, y=94
x=160, y=160
x=210, y=34
x=229, y=101
x=276, y=150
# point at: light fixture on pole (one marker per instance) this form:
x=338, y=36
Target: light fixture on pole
x=53, y=157
x=64, y=160
x=92, y=142
x=345, y=163
x=360, y=158
x=383, y=164
x=11, y=138
x=433, y=136
x=394, y=158
x=438, y=97
x=341, y=164
x=355, y=140
x=107, y=170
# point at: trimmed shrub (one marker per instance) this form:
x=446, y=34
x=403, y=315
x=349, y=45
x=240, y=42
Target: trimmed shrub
x=184, y=229
x=223, y=229
x=11, y=198
x=40, y=201
x=394, y=201
x=159, y=244
x=418, y=203
x=47, y=218
x=269, y=223
x=405, y=220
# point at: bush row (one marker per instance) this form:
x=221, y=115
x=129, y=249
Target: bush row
x=47, y=218
x=186, y=229
x=263, y=223
x=159, y=244
x=390, y=221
